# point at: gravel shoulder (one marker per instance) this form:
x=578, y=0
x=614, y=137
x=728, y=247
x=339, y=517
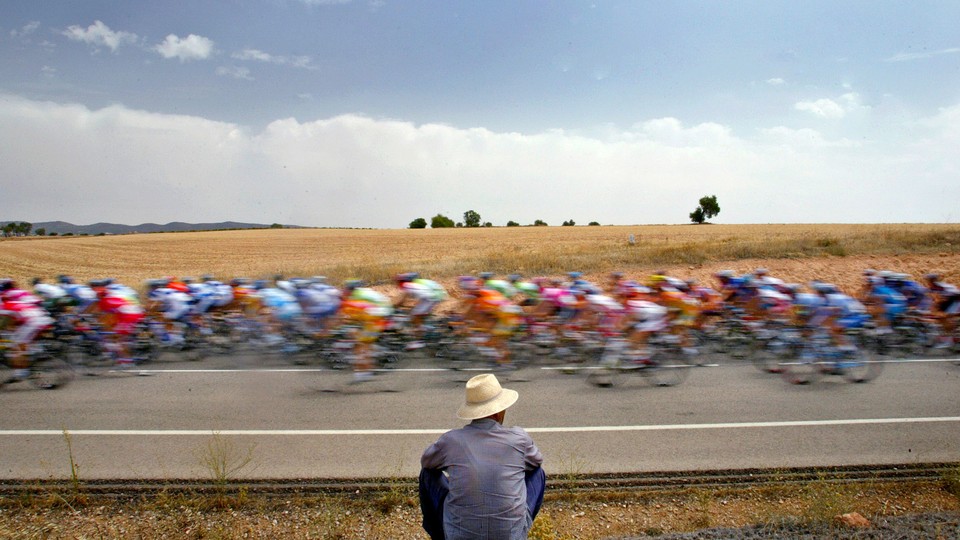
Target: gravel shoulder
x=924, y=509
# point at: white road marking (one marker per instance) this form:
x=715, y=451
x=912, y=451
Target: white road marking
x=569, y=429
x=440, y=369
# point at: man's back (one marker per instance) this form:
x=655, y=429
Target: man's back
x=486, y=466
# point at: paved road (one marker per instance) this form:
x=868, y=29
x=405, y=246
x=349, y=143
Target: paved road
x=310, y=423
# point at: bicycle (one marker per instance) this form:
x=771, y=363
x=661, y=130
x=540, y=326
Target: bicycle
x=47, y=371
x=821, y=356
x=668, y=364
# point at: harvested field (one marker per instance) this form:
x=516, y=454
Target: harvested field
x=836, y=253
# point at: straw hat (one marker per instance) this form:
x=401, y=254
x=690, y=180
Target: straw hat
x=485, y=396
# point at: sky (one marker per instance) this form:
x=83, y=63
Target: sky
x=373, y=113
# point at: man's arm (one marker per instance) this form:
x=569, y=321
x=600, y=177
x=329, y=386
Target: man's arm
x=532, y=457
x=432, y=457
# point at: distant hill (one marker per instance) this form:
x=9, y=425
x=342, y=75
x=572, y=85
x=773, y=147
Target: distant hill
x=62, y=227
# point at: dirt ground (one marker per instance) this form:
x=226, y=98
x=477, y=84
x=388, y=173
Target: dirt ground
x=845, y=272
x=563, y=516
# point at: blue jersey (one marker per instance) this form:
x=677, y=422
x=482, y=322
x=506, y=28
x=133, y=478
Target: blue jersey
x=915, y=293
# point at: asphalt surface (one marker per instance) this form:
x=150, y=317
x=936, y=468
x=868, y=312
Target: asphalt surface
x=303, y=422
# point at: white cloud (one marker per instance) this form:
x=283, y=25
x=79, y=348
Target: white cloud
x=670, y=131
x=66, y=161
x=26, y=29
x=907, y=57
x=833, y=109
x=100, y=35
x=237, y=72
x=192, y=47
x=48, y=71
x=824, y=108
x=260, y=56
x=776, y=81
x=803, y=138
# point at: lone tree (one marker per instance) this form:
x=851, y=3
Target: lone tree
x=471, y=218
x=707, y=209
x=441, y=221
x=418, y=223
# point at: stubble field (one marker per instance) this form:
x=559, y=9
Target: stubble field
x=796, y=253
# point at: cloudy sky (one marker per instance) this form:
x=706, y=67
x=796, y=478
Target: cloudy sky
x=370, y=114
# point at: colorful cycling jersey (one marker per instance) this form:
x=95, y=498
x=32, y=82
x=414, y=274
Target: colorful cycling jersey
x=558, y=297
x=83, y=296
x=501, y=286
x=22, y=306
x=603, y=303
x=220, y=293
x=945, y=290
x=282, y=305
x=489, y=301
x=366, y=303
x=528, y=290
x=892, y=300
x=915, y=293
x=772, y=300
x=319, y=299
x=123, y=306
x=849, y=312
x=679, y=303
x=425, y=289
x=54, y=297
x=48, y=291
x=649, y=316
x=738, y=289
x=172, y=303
x=711, y=302
x=117, y=290
x=805, y=304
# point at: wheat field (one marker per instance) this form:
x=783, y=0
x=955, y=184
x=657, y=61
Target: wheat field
x=796, y=252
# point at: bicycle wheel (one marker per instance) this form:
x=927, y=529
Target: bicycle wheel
x=767, y=356
x=50, y=373
x=669, y=367
x=605, y=376
x=802, y=370
x=860, y=367
x=6, y=374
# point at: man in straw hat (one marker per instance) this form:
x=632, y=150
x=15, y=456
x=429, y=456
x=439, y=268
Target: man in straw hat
x=483, y=480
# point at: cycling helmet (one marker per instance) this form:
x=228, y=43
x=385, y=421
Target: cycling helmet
x=7, y=284
x=406, y=277
x=485, y=275
x=468, y=283
x=932, y=276
x=352, y=284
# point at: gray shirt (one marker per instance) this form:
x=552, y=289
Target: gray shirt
x=486, y=465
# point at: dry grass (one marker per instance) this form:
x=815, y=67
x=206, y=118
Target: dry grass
x=375, y=255
x=563, y=517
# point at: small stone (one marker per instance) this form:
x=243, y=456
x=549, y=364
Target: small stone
x=854, y=520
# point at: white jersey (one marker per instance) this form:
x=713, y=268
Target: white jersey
x=48, y=291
